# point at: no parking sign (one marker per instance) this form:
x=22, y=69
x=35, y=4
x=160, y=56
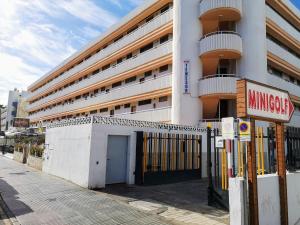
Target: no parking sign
x=244, y=130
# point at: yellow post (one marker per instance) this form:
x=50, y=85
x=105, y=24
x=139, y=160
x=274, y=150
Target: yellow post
x=154, y=159
x=262, y=151
x=258, y=150
x=145, y=152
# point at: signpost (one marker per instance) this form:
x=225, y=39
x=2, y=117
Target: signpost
x=21, y=122
x=262, y=102
x=228, y=128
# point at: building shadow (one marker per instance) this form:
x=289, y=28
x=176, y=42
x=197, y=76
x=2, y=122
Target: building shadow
x=187, y=195
x=10, y=202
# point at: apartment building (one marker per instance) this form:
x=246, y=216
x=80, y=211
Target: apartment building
x=176, y=61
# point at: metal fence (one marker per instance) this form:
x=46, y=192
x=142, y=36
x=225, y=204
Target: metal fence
x=167, y=157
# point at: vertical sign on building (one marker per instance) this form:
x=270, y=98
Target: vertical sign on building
x=186, y=73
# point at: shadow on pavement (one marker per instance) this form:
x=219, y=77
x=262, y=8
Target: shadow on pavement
x=9, y=200
x=189, y=195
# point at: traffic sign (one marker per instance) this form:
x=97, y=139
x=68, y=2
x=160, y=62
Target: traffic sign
x=244, y=131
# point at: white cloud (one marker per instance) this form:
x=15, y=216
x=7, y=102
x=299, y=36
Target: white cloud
x=15, y=73
x=89, y=12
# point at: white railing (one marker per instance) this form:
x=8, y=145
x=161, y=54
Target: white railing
x=218, y=84
x=155, y=115
x=278, y=82
x=282, y=23
x=148, y=56
x=207, y=5
x=147, y=28
x=221, y=40
x=282, y=53
x=117, y=93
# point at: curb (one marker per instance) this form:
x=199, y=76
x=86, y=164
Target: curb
x=9, y=217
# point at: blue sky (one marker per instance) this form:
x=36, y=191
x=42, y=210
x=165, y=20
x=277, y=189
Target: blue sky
x=297, y=3
x=37, y=35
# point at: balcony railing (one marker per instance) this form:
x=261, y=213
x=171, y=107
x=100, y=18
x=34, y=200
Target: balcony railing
x=154, y=115
x=148, y=56
x=222, y=42
x=154, y=84
x=283, y=53
x=207, y=6
x=146, y=28
x=218, y=84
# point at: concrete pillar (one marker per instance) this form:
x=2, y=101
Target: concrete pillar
x=186, y=108
x=252, y=28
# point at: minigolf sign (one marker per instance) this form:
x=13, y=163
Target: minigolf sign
x=263, y=102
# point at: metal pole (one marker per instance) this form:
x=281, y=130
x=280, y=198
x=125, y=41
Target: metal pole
x=209, y=165
x=252, y=177
x=281, y=169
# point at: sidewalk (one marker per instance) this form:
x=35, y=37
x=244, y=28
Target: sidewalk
x=39, y=199
x=36, y=198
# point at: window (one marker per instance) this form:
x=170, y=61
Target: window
x=129, y=56
x=103, y=110
x=96, y=91
x=119, y=60
x=126, y=106
x=78, y=97
x=102, y=89
x=89, y=56
x=117, y=107
x=148, y=73
x=118, y=38
x=164, y=39
x=132, y=29
x=117, y=84
x=145, y=102
x=106, y=67
x=95, y=72
x=163, y=68
x=163, y=99
x=146, y=47
x=112, y=112
x=164, y=9
x=148, y=19
x=130, y=79
x=93, y=112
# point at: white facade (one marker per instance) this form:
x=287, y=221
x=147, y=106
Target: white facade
x=182, y=58
x=268, y=199
x=3, y=118
x=77, y=150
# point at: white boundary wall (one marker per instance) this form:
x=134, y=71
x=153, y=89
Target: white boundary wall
x=78, y=152
x=268, y=199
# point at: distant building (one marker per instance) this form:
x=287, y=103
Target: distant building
x=15, y=107
x=3, y=113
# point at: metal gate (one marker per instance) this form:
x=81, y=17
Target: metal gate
x=293, y=148
x=167, y=157
x=234, y=153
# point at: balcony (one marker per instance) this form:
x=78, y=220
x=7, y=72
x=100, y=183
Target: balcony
x=153, y=115
x=216, y=85
x=143, y=30
x=141, y=59
x=227, y=9
x=283, y=53
x=221, y=44
x=156, y=84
